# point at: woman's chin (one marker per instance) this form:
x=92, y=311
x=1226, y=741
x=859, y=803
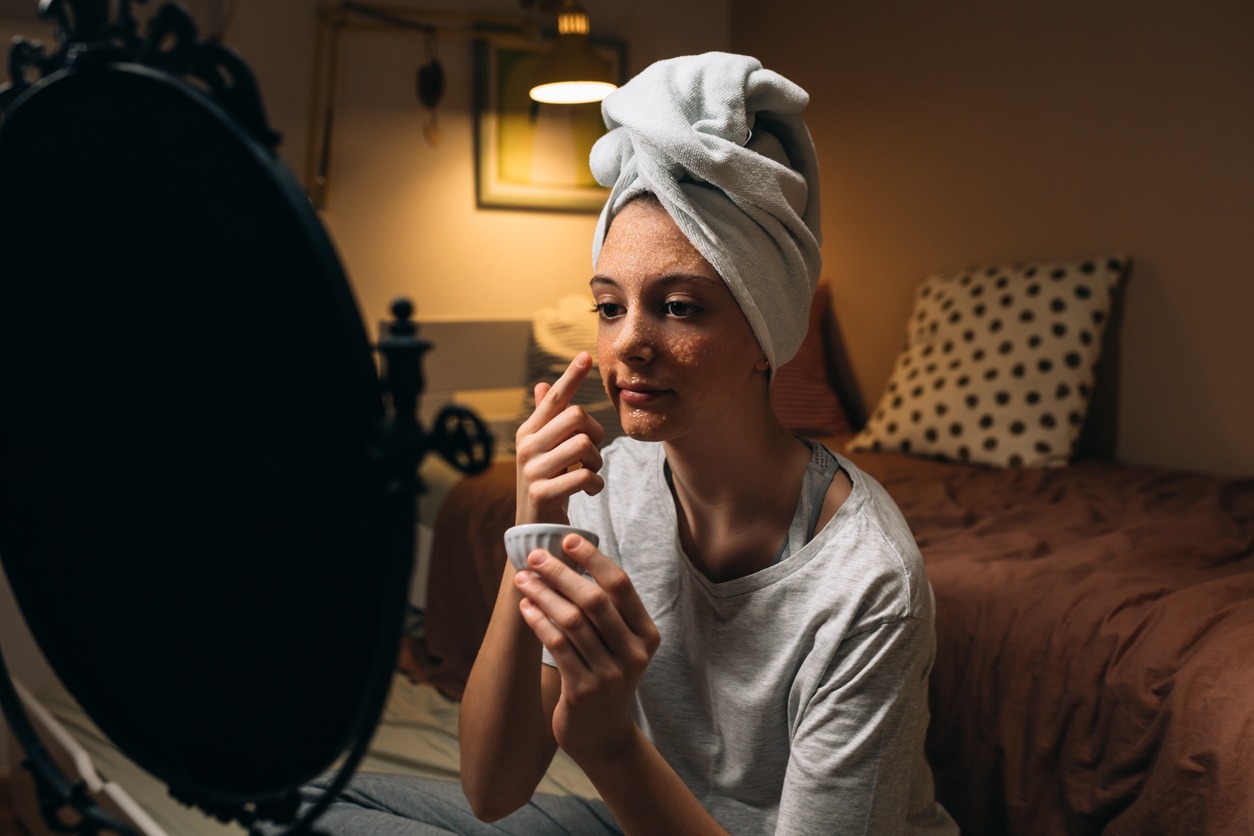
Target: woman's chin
x=643, y=425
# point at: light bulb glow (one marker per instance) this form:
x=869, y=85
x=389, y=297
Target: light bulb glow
x=572, y=23
x=572, y=92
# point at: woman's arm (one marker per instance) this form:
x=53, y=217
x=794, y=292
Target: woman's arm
x=646, y=796
x=601, y=639
x=506, y=736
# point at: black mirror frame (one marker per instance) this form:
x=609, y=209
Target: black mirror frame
x=100, y=32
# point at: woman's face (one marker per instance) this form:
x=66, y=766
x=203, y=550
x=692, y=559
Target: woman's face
x=676, y=353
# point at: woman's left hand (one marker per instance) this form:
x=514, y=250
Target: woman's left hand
x=601, y=638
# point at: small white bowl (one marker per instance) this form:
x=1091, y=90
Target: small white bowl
x=522, y=540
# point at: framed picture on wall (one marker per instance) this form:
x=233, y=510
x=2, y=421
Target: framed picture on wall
x=530, y=155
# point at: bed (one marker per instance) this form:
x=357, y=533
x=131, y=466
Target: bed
x=1095, y=620
x=1095, y=663
x=1095, y=628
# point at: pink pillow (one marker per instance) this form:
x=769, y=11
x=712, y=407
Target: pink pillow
x=801, y=391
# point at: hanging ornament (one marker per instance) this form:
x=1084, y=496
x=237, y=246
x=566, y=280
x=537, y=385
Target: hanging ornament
x=430, y=85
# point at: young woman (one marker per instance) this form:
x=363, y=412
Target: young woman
x=748, y=649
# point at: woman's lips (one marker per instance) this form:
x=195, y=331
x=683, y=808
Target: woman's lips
x=635, y=395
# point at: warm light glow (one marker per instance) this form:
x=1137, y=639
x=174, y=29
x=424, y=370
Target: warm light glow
x=572, y=72
x=572, y=23
x=572, y=92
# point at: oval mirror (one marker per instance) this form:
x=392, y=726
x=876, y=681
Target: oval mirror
x=194, y=513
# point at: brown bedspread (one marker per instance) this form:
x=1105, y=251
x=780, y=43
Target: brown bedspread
x=1095, y=661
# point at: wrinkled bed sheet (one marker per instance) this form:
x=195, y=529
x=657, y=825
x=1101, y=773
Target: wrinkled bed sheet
x=1095, y=659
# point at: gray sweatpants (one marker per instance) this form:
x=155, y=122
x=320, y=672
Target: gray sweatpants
x=395, y=805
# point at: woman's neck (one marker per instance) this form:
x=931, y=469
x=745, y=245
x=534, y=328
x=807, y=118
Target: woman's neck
x=735, y=499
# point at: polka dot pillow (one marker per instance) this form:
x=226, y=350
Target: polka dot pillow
x=998, y=364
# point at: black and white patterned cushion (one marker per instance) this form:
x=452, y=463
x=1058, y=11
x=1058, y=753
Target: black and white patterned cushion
x=998, y=364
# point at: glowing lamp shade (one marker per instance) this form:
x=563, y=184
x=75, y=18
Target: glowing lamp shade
x=572, y=72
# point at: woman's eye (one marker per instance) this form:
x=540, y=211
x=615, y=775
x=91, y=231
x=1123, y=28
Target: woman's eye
x=607, y=310
x=681, y=310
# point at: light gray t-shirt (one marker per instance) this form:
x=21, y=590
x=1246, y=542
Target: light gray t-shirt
x=793, y=700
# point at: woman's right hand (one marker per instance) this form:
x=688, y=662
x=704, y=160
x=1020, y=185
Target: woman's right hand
x=557, y=450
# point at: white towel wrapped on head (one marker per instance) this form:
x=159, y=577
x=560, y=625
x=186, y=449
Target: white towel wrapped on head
x=720, y=142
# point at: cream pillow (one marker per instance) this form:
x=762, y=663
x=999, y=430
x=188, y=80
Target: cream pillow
x=998, y=364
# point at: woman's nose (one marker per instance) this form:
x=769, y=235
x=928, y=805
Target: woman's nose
x=633, y=340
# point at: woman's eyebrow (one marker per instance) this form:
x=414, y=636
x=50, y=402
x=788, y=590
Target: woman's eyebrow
x=669, y=278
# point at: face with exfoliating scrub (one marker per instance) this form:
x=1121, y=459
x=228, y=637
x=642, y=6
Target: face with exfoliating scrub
x=676, y=352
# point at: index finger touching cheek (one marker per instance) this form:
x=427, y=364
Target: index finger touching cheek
x=559, y=395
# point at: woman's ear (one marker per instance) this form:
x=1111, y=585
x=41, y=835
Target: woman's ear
x=763, y=365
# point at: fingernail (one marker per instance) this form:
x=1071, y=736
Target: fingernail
x=537, y=558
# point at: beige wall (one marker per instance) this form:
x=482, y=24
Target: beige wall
x=980, y=131
x=402, y=213
x=952, y=134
